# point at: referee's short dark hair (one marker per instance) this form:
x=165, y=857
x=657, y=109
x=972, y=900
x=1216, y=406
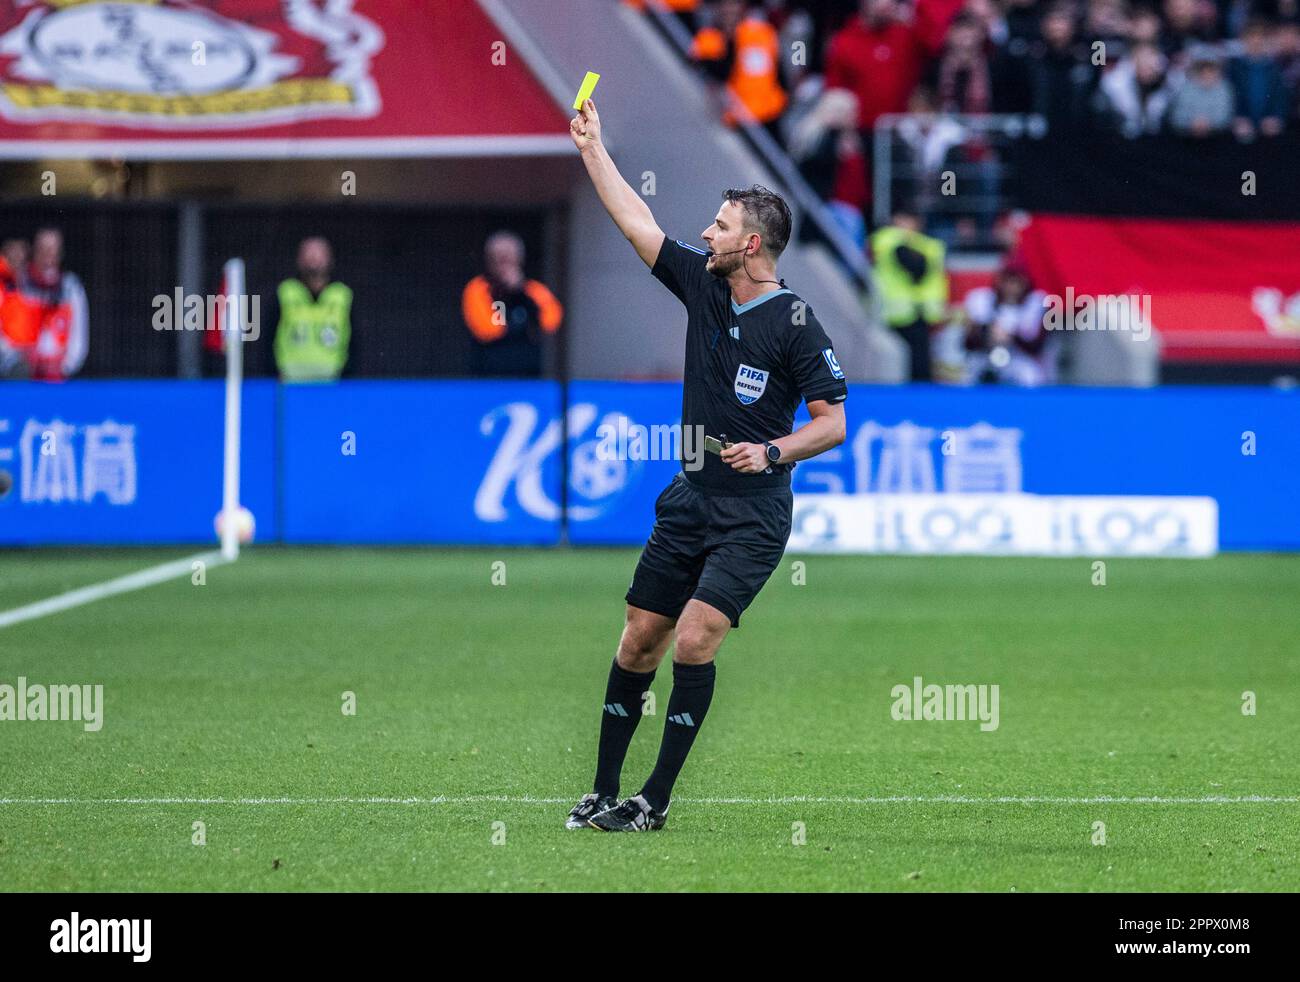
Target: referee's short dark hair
x=765, y=213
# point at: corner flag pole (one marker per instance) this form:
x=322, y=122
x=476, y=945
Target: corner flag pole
x=234, y=317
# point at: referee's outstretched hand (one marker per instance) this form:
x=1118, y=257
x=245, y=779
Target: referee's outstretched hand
x=748, y=458
x=585, y=126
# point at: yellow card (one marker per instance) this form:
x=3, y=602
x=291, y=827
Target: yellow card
x=588, y=87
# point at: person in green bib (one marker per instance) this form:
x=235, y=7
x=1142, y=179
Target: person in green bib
x=315, y=323
x=913, y=283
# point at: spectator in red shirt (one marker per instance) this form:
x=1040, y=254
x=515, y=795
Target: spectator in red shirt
x=880, y=54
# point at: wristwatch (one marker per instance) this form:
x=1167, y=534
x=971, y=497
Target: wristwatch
x=773, y=452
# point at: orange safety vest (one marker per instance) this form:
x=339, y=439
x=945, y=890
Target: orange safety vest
x=20, y=319
x=755, y=79
x=476, y=307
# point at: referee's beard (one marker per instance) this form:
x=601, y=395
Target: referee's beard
x=723, y=266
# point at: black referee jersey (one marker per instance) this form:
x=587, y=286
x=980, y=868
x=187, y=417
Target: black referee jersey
x=747, y=365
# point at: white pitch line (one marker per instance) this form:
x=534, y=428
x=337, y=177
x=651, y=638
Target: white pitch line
x=109, y=588
x=790, y=800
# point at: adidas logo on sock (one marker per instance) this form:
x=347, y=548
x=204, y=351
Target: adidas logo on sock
x=614, y=709
x=682, y=719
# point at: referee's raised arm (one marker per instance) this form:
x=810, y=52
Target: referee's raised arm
x=630, y=213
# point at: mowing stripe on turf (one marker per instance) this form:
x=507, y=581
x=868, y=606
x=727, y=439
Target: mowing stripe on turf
x=109, y=588
x=1253, y=799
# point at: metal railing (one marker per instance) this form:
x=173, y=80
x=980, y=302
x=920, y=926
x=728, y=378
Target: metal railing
x=778, y=162
x=954, y=170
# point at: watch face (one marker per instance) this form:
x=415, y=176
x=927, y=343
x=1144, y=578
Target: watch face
x=773, y=453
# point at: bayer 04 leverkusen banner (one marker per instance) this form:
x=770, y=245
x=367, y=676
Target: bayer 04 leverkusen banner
x=223, y=79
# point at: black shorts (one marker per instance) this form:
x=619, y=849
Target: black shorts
x=718, y=548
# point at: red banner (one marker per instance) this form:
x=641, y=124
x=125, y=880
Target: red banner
x=1219, y=291
x=222, y=79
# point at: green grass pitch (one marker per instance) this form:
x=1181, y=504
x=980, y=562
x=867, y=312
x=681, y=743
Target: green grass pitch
x=482, y=702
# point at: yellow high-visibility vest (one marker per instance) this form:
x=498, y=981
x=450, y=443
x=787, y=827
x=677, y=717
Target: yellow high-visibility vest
x=904, y=300
x=311, y=340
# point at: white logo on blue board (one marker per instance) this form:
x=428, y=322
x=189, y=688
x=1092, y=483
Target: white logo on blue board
x=523, y=460
x=750, y=383
x=832, y=362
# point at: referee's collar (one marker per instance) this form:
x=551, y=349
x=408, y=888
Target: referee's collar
x=740, y=308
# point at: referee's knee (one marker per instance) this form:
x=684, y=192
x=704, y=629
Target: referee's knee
x=644, y=641
x=698, y=639
x=695, y=648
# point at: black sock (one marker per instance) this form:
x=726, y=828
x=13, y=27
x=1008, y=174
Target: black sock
x=617, y=724
x=692, y=693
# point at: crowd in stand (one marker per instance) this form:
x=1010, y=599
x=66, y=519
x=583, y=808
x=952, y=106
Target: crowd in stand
x=1197, y=67
x=820, y=75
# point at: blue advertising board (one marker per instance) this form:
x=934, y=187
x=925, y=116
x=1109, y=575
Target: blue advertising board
x=128, y=462
x=478, y=462
x=405, y=462
x=1238, y=445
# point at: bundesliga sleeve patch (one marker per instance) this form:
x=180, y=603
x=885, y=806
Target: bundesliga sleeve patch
x=832, y=363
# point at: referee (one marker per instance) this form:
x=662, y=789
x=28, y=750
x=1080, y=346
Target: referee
x=753, y=350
